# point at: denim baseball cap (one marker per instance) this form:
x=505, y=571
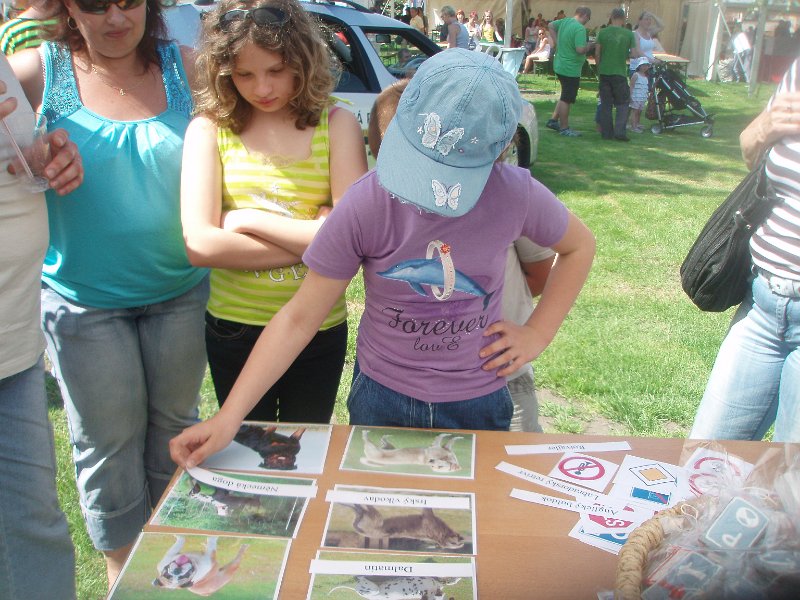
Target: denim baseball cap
x=457, y=115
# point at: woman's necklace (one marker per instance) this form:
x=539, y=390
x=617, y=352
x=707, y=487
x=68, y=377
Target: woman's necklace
x=122, y=91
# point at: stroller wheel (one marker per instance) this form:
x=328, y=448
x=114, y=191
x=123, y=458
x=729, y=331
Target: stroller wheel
x=656, y=128
x=707, y=131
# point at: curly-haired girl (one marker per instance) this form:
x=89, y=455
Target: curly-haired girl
x=264, y=161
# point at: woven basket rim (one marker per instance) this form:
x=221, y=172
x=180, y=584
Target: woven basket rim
x=642, y=540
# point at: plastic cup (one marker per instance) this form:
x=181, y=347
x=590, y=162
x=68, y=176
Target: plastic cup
x=26, y=134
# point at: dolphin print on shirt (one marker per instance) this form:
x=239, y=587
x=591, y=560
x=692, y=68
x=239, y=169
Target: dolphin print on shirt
x=430, y=271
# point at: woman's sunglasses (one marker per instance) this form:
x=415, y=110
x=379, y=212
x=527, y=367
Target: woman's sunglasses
x=263, y=16
x=99, y=7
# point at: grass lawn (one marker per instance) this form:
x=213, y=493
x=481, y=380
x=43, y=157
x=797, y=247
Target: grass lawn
x=634, y=349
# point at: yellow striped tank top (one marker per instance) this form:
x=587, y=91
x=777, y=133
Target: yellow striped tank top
x=298, y=190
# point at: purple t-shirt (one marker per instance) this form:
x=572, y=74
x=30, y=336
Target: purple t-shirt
x=433, y=284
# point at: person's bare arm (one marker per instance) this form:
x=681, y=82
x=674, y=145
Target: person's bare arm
x=779, y=119
x=64, y=172
x=452, y=35
x=518, y=345
x=281, y=341
x=27, y=67
x=536, y=274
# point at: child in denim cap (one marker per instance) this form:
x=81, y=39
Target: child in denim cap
x=430, y=226
x=526, y=270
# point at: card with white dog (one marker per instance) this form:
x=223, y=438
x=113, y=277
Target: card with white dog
x=423, y=452
x=344, y=576
x=400, y=520
x=228, y=567
x=235, y=503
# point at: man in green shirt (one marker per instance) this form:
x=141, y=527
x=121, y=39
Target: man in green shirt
x=615, y=44
x=571, y=42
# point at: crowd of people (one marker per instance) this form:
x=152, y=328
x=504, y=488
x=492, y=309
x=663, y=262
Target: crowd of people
x=212, y=209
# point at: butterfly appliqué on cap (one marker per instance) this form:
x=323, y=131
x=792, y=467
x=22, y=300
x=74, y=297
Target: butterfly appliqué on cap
x=432, y=136
x=442, y=195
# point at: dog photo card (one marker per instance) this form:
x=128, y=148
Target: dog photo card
x=280, y=447
x=227, y=567
x=424, y=452
x=400, y=520
x=345, y=575
x=235, y=503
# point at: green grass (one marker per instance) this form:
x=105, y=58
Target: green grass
x=633, y=349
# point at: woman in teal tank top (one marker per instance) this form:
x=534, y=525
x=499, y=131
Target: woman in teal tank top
x=264, y=162
x=122, y=307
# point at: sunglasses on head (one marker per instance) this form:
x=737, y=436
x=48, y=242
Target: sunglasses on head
x=99, y=7
x=263, y=16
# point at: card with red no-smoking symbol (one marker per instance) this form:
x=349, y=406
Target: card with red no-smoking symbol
x=582, y=469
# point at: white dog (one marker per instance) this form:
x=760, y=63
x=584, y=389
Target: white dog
x=197, y=572
x=439, y=456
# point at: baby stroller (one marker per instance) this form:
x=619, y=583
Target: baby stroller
x=669, y=96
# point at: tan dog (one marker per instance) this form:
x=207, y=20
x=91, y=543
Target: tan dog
x=197, y=572
x=439, y=456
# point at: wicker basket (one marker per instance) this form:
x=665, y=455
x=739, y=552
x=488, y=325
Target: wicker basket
x=645, y=538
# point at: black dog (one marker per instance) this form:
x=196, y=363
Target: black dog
x=277, y=451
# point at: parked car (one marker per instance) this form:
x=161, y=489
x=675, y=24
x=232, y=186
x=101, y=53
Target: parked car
x=374, y=51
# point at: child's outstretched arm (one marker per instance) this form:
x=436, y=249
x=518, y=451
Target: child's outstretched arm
x=520, y=344
x=279, y=344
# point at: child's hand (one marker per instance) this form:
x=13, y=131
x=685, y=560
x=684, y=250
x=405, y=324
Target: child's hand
x=517, y=345
x=196, y=443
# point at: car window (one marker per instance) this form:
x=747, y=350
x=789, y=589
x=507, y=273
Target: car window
x=353, y=77
x=398, y=51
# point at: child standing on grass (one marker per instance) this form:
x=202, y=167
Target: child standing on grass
x=262, y=164
x=639, y=91
x=526, y=270
x=432, y=348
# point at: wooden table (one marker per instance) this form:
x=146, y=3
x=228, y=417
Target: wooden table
x=672, y=59
x=524, y=550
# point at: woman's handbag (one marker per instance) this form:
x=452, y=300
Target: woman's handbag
x=716, y=272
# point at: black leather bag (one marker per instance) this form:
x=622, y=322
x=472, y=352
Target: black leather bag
x=716, y=272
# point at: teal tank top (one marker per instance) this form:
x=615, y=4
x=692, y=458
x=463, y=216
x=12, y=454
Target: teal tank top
x=116, y=241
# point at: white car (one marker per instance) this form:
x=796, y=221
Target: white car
x=369, y=47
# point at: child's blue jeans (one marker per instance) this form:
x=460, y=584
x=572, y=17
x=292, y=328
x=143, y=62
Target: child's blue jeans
x=371, y=403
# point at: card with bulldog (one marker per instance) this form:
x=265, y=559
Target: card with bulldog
x=279, y=447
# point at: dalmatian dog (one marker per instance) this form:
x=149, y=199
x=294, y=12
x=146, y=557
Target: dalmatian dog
x=197, y=572
x=400, y=588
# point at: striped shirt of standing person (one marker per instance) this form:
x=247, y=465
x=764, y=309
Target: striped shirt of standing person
x=19, y=34
x=775, y=246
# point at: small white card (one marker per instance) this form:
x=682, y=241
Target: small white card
x=516, y=449
x=548, y=482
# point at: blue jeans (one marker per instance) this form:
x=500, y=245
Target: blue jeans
x=307, y=391
x=130, y=380
x=36, y=555
x=371, y=403
x=756, y=377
